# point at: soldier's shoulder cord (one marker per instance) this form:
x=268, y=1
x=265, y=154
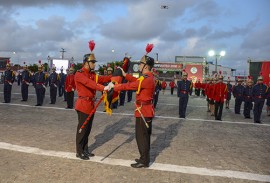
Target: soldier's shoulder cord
x=140, y=84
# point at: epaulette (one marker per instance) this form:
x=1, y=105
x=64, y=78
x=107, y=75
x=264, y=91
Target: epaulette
x=79, y=71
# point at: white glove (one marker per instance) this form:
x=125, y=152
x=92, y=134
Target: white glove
x=107, y=88
x=111, y=85
x=123, y=72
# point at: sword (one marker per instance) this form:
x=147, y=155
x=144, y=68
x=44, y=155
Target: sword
x=139, y=110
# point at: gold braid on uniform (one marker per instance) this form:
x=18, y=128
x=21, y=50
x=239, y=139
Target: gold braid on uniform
x=140, y=83
x=106, y=102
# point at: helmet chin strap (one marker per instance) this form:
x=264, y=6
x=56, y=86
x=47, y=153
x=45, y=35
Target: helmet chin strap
x=143, y=68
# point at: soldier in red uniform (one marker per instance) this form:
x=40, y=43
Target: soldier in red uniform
x=163, y=86
x=70, y=87
x=144, y=111
x=220, y=95
x=172, y=85
x=198, y=87
x=87, y=82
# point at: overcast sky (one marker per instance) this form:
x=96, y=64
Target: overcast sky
x=35, y=29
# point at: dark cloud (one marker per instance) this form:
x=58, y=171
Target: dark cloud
x=186, y=28
x=234, y=31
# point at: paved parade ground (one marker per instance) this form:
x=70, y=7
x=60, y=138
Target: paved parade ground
x=37, y=144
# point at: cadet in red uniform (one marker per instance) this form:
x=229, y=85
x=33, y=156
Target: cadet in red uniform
x=203, y=86
x=70, y=87
x=163, y=86
x=144, y=111
x=87, y=82
x=198, y=87
x=220, y=95
x=172, y=85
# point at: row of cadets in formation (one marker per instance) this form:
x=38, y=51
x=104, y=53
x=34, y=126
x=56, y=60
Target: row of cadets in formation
x=251, y=94
x=40, y=80
x=248, y=94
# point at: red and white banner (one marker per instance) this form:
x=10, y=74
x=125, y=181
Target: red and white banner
x=195, y=72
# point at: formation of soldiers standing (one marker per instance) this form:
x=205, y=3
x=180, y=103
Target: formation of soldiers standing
x=217, y=93
x=40, y=81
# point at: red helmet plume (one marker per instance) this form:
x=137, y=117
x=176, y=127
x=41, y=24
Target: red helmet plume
x=92, y=45
x=220, y=72
x=39, y=61
x=149, y=48
x=72, y=65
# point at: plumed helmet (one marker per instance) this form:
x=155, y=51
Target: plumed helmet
x=89, y=58
x=147, y=60
x=184, y=73
x=260, y=77
x=109, y=69
x=8, y=63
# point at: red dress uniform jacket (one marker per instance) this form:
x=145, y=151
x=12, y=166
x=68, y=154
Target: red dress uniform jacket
x=70, y=83
x=203, y=85
x=210, y=91
x=163, y=85
x=172, y=84
x=86, y=84
x=220, y=92
x=145, y=96
x=197, y=85
x=206, y=89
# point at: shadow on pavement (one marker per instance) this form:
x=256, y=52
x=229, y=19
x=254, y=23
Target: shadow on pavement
x=108, y=134
x=164, y=139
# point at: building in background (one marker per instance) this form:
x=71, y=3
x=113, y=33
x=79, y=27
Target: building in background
x=198, y=68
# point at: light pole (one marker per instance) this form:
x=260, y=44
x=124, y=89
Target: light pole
x=157, y=58
x=212, y=53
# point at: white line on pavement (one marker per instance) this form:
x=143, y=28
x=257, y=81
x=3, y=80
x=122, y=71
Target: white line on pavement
x=161, y=117
x=153, y=166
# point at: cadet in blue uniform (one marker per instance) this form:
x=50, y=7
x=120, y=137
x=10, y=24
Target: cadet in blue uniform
x=61, y=84
x=26, y=77
x=248, y=98
x=238, y=91
x=19, y=78
x=129, y=95
x=9, y=78
x=229, y=95
x=53, y=82
x=183, y=92
x=122, y=95
x=259, y=94
x=40, y=83
x=157, y=90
